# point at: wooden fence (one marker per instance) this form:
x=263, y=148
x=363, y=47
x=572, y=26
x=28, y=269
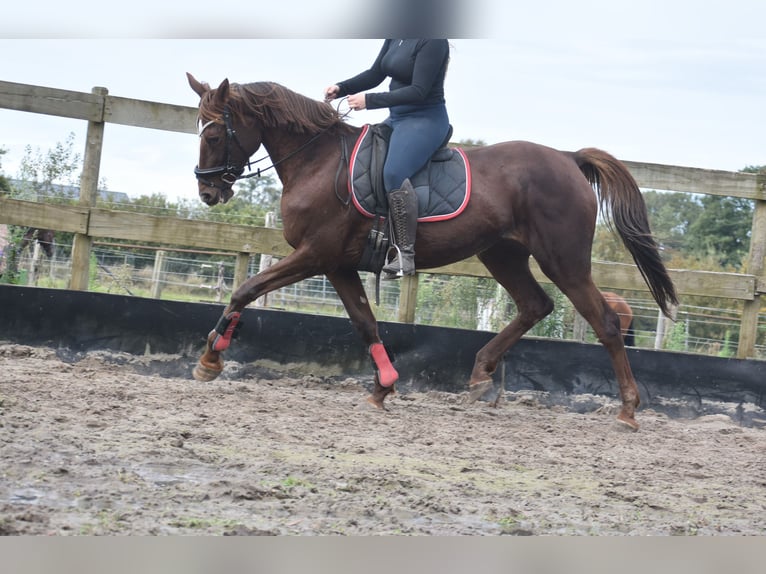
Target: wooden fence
x=88, y=222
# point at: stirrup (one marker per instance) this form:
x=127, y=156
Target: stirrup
x=399, y=272
x=387, y=274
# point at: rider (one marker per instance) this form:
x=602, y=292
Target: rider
x=419, y=121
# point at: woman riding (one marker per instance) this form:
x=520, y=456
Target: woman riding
x=419, y=122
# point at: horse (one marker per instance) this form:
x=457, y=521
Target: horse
x=44, y=238
x=526, y=200
x=620, y=306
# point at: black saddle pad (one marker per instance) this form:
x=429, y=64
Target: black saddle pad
x=443, y=186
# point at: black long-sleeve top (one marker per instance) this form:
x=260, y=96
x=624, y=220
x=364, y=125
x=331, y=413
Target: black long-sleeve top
x=416, y=68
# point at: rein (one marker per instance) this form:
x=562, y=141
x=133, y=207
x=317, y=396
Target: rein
x=294, y=152
x=288, y=156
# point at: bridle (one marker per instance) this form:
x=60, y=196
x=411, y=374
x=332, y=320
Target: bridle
x=230, y=173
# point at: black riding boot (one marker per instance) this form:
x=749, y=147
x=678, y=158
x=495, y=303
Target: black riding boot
x=403, y=210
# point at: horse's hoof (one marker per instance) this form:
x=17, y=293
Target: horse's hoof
x=379, y=395
x=626, y=423
x=376, y=402
x=476, y=391
x=205, y=374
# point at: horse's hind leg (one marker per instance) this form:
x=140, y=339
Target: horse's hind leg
x=509, y=265
x=589, y=302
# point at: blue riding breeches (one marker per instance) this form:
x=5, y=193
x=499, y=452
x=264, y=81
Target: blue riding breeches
x=418, y=132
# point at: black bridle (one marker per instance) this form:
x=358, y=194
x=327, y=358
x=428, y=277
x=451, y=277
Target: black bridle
x=229, y=173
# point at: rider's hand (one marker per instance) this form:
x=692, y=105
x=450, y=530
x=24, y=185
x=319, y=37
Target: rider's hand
x=331, y=92
x=357, y=101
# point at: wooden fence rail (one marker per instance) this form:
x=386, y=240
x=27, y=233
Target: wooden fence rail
x=88, y=222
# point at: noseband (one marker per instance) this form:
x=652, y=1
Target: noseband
x=229, y=173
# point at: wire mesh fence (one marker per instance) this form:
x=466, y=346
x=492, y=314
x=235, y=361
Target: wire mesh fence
x=445, y=301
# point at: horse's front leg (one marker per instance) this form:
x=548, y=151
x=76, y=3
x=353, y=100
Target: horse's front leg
x=210, y=364
x=349, y=287
x=297, y=266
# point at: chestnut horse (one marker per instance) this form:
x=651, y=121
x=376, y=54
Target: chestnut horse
x=620, y=306
x=44, y=237
x=526, y=200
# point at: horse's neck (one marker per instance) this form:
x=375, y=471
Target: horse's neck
x=282, y=147
x=287, y=151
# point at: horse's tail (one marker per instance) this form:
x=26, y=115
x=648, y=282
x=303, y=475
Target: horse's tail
x=623, y=207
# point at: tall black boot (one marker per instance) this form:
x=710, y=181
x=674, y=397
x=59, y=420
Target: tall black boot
x=403, y=210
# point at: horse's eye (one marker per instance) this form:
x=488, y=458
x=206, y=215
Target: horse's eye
x=212, y=140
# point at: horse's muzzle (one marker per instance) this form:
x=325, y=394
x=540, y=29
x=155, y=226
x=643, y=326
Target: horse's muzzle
x=213, y=196
x=209, y=199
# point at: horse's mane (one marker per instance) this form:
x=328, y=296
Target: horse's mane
x=272, y=106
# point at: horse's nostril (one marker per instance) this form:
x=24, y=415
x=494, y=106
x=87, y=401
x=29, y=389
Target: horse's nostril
x=205, y=197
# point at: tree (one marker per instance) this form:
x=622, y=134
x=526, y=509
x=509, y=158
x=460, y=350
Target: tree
x=253, y=198
x=463, y=294
x=152, y=204
x=262, y=192
x=5, y=185
x=701, y=226
x=671, y=215
x=44, y=173
x=9, y=256
x=722, y=229
x=756, y=169
x=8, y=253
x=469, y=143
x=607, y=246
x=45, y=177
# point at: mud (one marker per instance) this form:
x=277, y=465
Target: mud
x=99, y=443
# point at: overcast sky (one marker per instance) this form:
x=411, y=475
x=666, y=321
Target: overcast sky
x=671, y=82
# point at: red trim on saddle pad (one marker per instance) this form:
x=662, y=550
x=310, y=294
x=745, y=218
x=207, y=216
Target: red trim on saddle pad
x=352, y=165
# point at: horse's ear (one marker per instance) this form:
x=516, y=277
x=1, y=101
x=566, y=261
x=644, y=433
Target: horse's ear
x=222, y=93
x=199, y=87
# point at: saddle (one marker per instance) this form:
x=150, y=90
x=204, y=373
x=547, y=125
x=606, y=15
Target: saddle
x=443, y=187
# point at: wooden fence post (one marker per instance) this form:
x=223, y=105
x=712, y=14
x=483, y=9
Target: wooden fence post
x=83, y=242
x=266, y=259
x=241, y=267
x=748, y=330
x=408, y=298
x=220, y=284
x=580, y=327
x=158, y=273
x=34, y=264
x=665, y=327
x=659, y=335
